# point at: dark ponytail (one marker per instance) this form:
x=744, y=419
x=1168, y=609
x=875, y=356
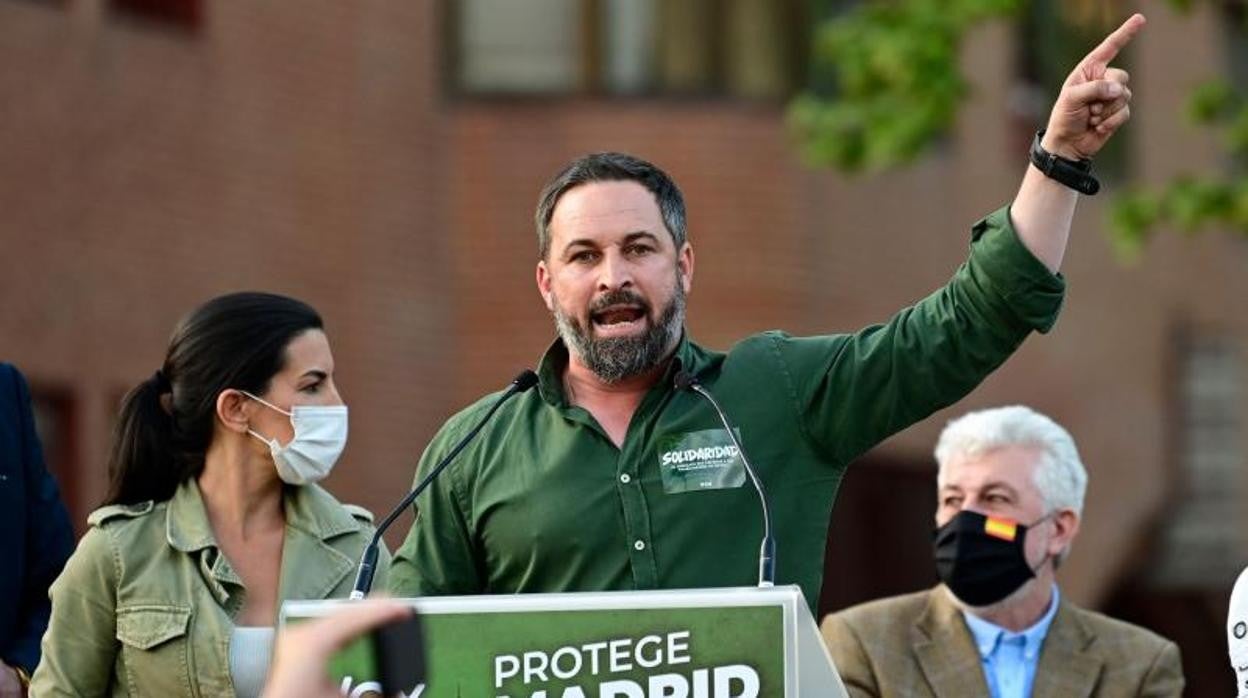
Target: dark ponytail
x=141, y=446
x=166, y=423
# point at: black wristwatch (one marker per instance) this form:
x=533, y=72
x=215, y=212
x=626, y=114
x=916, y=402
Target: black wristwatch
x=1076, y=174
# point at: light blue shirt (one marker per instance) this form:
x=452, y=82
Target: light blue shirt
x=1010, y=658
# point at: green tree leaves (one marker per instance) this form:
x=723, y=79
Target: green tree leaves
x=889, y=88
x=895, y=87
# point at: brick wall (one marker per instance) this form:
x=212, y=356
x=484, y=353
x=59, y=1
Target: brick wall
x=308, y=148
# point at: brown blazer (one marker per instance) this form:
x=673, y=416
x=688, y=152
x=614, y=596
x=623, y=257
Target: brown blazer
x=919, y=645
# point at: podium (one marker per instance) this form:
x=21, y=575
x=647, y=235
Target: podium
x=689, y=643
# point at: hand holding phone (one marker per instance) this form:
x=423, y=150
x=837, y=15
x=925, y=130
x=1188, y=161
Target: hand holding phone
x=399, y=648
x=303, y=651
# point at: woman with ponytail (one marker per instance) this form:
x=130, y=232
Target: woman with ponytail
x=212, y=517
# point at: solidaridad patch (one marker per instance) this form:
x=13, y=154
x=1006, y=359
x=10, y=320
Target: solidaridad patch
x=699, y=461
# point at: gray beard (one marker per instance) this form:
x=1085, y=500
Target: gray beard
x=613, y=359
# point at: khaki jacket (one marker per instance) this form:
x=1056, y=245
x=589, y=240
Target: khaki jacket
x=145, y=605
x=919, y=645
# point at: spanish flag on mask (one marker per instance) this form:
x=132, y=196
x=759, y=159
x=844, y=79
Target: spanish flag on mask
x=1005, y=529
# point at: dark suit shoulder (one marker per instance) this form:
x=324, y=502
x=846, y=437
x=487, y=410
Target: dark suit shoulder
x=12, y=388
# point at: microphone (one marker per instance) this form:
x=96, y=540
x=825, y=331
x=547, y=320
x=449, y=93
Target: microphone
x=368, y=561
x=1237, y=633
x=767, y=551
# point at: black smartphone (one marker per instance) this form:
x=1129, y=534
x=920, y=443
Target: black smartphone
x=399, y=650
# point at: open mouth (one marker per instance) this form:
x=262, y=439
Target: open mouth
x=618, y=319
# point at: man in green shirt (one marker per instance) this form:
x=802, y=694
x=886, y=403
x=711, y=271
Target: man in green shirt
x=608, y=478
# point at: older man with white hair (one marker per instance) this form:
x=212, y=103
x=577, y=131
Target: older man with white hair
x=1009, y=502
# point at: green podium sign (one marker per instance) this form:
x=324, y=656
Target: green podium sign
x=705, y=643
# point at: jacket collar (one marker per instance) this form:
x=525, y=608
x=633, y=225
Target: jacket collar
x=308, y=509
x=945, y=650
x=1068, y=666
x=952, y=665
x=311, y=567
x=186, y=521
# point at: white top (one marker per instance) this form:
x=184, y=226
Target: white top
x=251, y=650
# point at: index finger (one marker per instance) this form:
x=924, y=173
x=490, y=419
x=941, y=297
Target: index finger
x=1114, y=43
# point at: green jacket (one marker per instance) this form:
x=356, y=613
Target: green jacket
x=146, y=603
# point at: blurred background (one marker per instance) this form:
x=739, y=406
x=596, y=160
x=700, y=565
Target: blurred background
x=381, y=160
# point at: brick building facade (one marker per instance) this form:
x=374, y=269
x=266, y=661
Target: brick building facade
x=329, y=151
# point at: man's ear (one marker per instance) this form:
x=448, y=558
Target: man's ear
x=684, y=262
x=543, y=285
x=233, y=410
x=1065, y=528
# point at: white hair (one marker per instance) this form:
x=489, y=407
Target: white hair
x=1060, y=475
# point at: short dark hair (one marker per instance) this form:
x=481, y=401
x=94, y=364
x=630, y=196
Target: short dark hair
x=612, y=167
x=166, y=424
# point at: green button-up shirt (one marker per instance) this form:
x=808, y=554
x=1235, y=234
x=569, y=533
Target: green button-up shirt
x=543, y=501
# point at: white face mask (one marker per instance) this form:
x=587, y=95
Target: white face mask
x=320, y=437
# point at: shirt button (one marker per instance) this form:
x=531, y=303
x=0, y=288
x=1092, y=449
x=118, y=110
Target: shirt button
x=639, y=545
x=625, y=478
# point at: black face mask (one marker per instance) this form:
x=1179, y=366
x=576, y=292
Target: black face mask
x=981, y=558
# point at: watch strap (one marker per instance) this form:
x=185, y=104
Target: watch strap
x=1076, y=174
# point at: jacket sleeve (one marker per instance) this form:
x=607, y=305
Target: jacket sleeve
x=49, y=538
x=1165, y=677
x=80, y=647
x=849, y=657
x=853, y=391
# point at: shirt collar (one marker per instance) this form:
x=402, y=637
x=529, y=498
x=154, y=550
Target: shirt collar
x=307, y=508
x=555, y=360
x=988, y=636
x=186, y=523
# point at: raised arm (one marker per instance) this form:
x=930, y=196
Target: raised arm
x=1093, y=104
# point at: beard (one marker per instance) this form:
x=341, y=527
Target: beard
x=613, y=359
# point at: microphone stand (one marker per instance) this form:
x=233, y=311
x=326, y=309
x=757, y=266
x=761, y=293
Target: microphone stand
x=767, y=551
x=368, y=561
